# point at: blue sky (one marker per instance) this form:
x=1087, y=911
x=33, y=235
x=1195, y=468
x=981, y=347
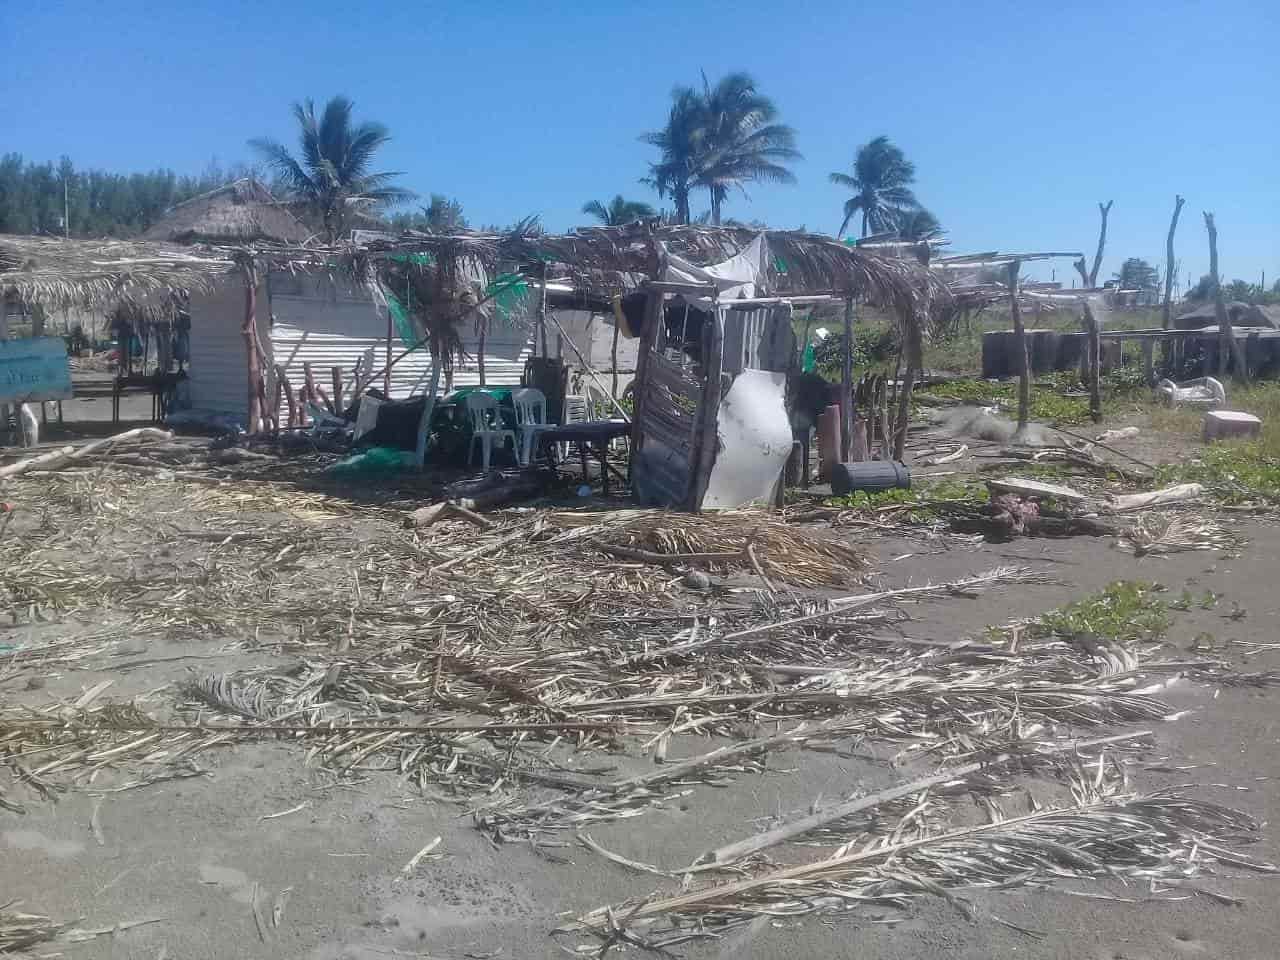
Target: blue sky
x=1019, y=117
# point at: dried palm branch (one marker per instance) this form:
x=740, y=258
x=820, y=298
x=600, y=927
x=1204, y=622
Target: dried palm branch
x=1164, y=533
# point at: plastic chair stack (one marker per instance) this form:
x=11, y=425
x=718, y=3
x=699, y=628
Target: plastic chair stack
x=486, y=424
x=531, y=420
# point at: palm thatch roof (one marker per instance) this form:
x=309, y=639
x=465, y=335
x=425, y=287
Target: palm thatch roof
x=242, y=212
x=100, y=274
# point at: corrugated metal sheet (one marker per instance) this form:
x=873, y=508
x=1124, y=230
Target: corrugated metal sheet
x=217, y=371
x=321, y=322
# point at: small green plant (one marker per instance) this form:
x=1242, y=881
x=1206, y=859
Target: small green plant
x=1124, y=611
x=1184, y=601
x=923, y=504
x=1210, y=600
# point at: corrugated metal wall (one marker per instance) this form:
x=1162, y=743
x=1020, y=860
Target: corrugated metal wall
x=321, y=322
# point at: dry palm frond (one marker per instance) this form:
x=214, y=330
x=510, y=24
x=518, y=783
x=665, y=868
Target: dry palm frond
x=1157, y=533
x=18, y=931
x=222, y=693
x=1102, y=836
x=785, y=551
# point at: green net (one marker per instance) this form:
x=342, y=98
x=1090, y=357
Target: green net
x=405, y=326
x=507, y=291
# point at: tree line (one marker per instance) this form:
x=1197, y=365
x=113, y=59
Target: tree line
x=49, y=198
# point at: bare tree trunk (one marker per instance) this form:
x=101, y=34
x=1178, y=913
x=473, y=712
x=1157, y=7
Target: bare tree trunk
x=913, y=347
x=1083, y=269
x=1024, y=361
x=1104, y=209
x=1226, y=335
x=846, y=382
x=1166, y=315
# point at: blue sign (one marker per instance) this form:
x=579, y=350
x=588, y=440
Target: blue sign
x=33, y=369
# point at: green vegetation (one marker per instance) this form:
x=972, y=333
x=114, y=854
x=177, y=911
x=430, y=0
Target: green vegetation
x=1124, y=611
x=618, y=211
x=1234, y=471
x=97, y=203
x=921, y=504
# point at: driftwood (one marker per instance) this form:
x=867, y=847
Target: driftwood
x=64, y=455
x=735, y=851
x=425, y=516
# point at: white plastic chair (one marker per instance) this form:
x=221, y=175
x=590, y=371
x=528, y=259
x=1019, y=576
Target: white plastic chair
x=531, y=420
x=486, y=423
x=576, y=410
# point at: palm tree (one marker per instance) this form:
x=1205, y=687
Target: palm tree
x=722, y=137
x=916, y=225
x=741, y=143
x=619, y=211
x=333, y=170
x=881, y=185
x=680, y=142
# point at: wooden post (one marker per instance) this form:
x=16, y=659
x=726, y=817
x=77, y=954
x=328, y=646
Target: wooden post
x=1148, y=361
x=542, y=312
x=1094, y=359
x=482, y=323
x=250, y=332
x=312, y=395
x=335, y=374
x=709, y=408
x=1226, y=335
x=914, y=349
x=287, y=387
x=613, y=354
x=1024, y=360
x=846, y=382
x=386, y=374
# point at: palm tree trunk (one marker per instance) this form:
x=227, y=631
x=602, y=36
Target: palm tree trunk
x=864, y=221
x=429, y=406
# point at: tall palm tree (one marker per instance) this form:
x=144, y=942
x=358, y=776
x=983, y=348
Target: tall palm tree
x=721, y=137
x=741, y=143
x=333, y=169
x=881, y=185
x=918, y=224
x=619, y=211
x=680, y=142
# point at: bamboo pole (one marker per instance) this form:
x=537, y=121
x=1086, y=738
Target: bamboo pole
x=846, y=382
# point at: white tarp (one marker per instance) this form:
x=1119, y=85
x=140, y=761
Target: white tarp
x=739, y=276
x=754, y=441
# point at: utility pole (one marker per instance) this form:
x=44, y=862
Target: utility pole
x=66, y=210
